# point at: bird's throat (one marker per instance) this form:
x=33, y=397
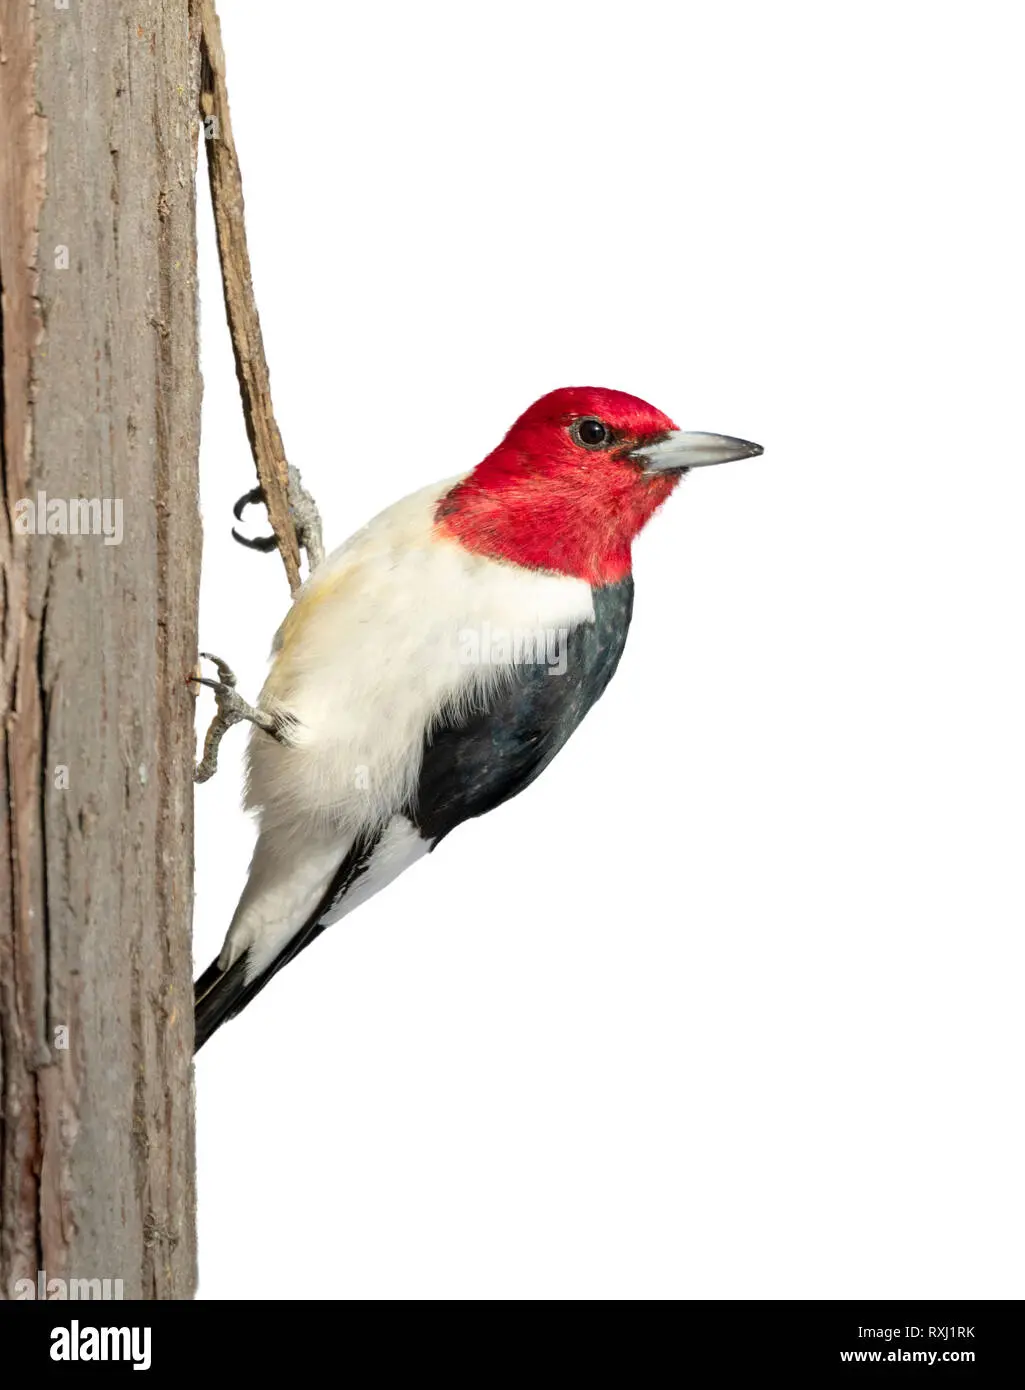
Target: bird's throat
x=582, y=526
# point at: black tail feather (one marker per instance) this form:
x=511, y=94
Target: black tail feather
x=220, y=994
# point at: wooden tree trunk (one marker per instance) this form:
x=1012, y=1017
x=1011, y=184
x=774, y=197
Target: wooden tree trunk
x=101, y=392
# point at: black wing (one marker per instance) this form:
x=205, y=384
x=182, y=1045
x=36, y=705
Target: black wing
x=474, y=763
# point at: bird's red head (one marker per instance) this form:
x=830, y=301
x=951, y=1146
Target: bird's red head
x=574, y=481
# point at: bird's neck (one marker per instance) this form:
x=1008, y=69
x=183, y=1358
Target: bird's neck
x=572, y=524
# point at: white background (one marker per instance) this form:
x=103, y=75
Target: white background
x=729, y=1003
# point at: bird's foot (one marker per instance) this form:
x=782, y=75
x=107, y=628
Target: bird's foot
x=231, y=709
x=305, y=517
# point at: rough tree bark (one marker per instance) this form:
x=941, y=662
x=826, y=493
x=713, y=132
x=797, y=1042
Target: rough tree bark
x=101, y=391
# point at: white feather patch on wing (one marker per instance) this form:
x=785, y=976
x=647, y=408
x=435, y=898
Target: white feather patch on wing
x=400, y=845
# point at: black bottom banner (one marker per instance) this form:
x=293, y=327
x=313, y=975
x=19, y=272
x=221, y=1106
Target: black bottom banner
x=796, y=1342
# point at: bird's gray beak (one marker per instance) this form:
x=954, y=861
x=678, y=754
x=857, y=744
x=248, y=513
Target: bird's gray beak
x=683, y=449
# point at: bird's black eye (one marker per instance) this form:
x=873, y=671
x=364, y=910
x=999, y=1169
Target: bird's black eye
x=591, y=433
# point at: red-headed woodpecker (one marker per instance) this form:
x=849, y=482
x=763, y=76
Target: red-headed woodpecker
x=433, y=666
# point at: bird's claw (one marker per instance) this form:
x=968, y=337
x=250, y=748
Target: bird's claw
x=231, y=709
x=305, y=518
x=221, y=688
x=262, y=543
x=225, y=672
